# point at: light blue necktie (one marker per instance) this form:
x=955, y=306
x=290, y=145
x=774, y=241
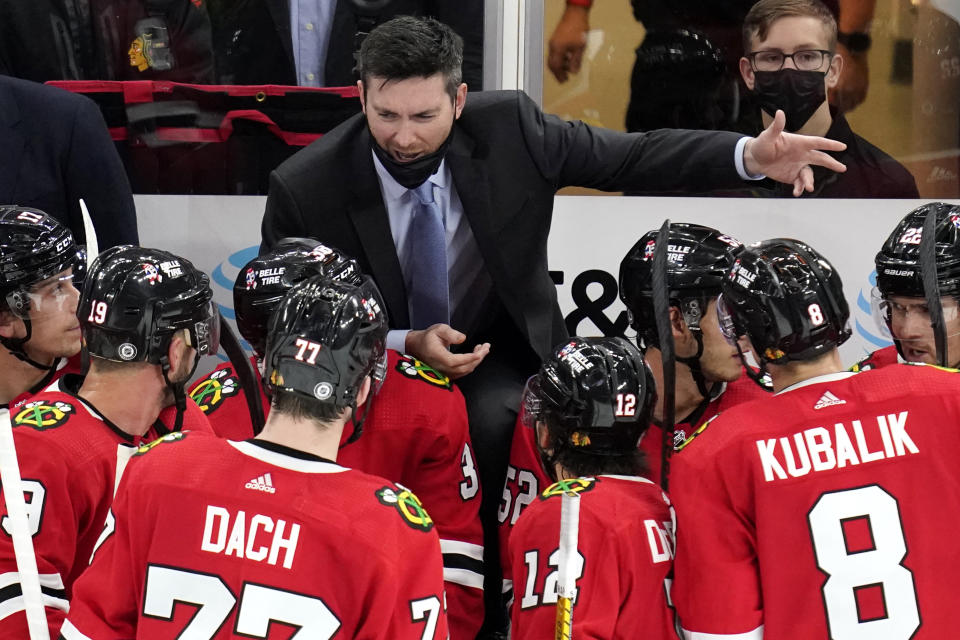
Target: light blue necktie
x=429, y=290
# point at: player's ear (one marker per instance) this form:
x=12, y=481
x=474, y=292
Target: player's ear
x=10, y=325
x=180, y=354
x=543, y=435
x=677, y=323
x=364, y=393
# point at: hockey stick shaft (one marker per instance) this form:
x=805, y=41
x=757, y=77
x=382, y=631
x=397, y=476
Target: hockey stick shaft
x=20, y=532
x=566, y=564
x=931, y=287
x=661, y=307
x=89, y=234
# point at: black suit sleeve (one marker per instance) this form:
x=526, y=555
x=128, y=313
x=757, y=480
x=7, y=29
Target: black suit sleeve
x=95, y=173
x=283, y=217
x=572, y=153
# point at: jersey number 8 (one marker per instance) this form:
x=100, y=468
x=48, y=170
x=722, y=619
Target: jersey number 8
x=866, y=573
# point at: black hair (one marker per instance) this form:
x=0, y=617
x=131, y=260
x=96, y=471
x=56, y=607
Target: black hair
x=298, y=407
x=408, y=47
x=579, y=464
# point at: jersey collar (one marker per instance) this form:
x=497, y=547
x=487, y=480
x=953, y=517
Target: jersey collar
x=827, y=377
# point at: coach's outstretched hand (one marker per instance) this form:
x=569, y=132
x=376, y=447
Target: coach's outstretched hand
x=432, y=346
x=786, y=157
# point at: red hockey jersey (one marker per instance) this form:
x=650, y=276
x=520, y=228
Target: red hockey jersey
x=625, y=544
x=70, y=460
x=221, y=539
x=416, y=434
x=526, y=477
x=220, y=396
x=64, y=366
x=824, y=512
x=879, y=358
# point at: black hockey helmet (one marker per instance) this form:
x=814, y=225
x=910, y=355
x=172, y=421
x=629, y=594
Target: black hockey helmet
x=324, y=338
x=698, y=259
x=899, y=272
x=595, y=396
x=787, y=299
x=33, y=247
x=262, y=282
x=135, y=299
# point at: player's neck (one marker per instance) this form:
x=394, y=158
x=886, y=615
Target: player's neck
x=817, y=125
x=786, y=375
x=304, y=435
x=131, y=400
x=686, y=395
x=18, y=376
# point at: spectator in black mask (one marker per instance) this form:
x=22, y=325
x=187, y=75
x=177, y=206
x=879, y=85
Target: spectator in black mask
x=789, y=63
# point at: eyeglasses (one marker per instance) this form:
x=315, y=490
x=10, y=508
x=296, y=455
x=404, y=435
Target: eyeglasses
x=806, y=60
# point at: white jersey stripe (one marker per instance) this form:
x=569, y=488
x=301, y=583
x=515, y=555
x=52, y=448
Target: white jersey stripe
x=70, y=632
x=464, y=577
x=284, y=461
x=474, y=551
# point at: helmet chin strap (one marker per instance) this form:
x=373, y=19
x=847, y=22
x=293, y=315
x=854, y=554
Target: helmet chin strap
x=693, y=363
x=761, y=377
x=179, y=395
x=15, y=346
x=357, y=420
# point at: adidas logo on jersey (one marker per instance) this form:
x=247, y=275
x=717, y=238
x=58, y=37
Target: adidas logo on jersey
x=828, y=400
x=263, y=483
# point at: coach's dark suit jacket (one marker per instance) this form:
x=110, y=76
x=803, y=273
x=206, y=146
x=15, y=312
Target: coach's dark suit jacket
x=507, y=159
x=54, y=150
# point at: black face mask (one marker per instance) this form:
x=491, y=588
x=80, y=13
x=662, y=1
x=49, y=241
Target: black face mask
x=798, y=93
x=414, y=173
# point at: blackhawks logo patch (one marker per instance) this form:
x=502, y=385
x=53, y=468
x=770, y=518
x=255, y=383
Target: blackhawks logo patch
x=700, y=429
x=170, y=437
x=41, y=415
x=571, y=485
x=214, y=389
x=413, y=368
x=407, y=505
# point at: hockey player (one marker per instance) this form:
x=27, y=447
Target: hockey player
x=415, y=433
x=899, y=302
x=589, y=405
x=810, y=513
x=708, y=372
x=39, y=331
x=273, y=536
x=259, y=287
x=146, y=317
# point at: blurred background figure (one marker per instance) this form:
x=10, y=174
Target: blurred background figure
x=314, y=42
x=696, y=45
x=46, y=40
x=56, y=150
